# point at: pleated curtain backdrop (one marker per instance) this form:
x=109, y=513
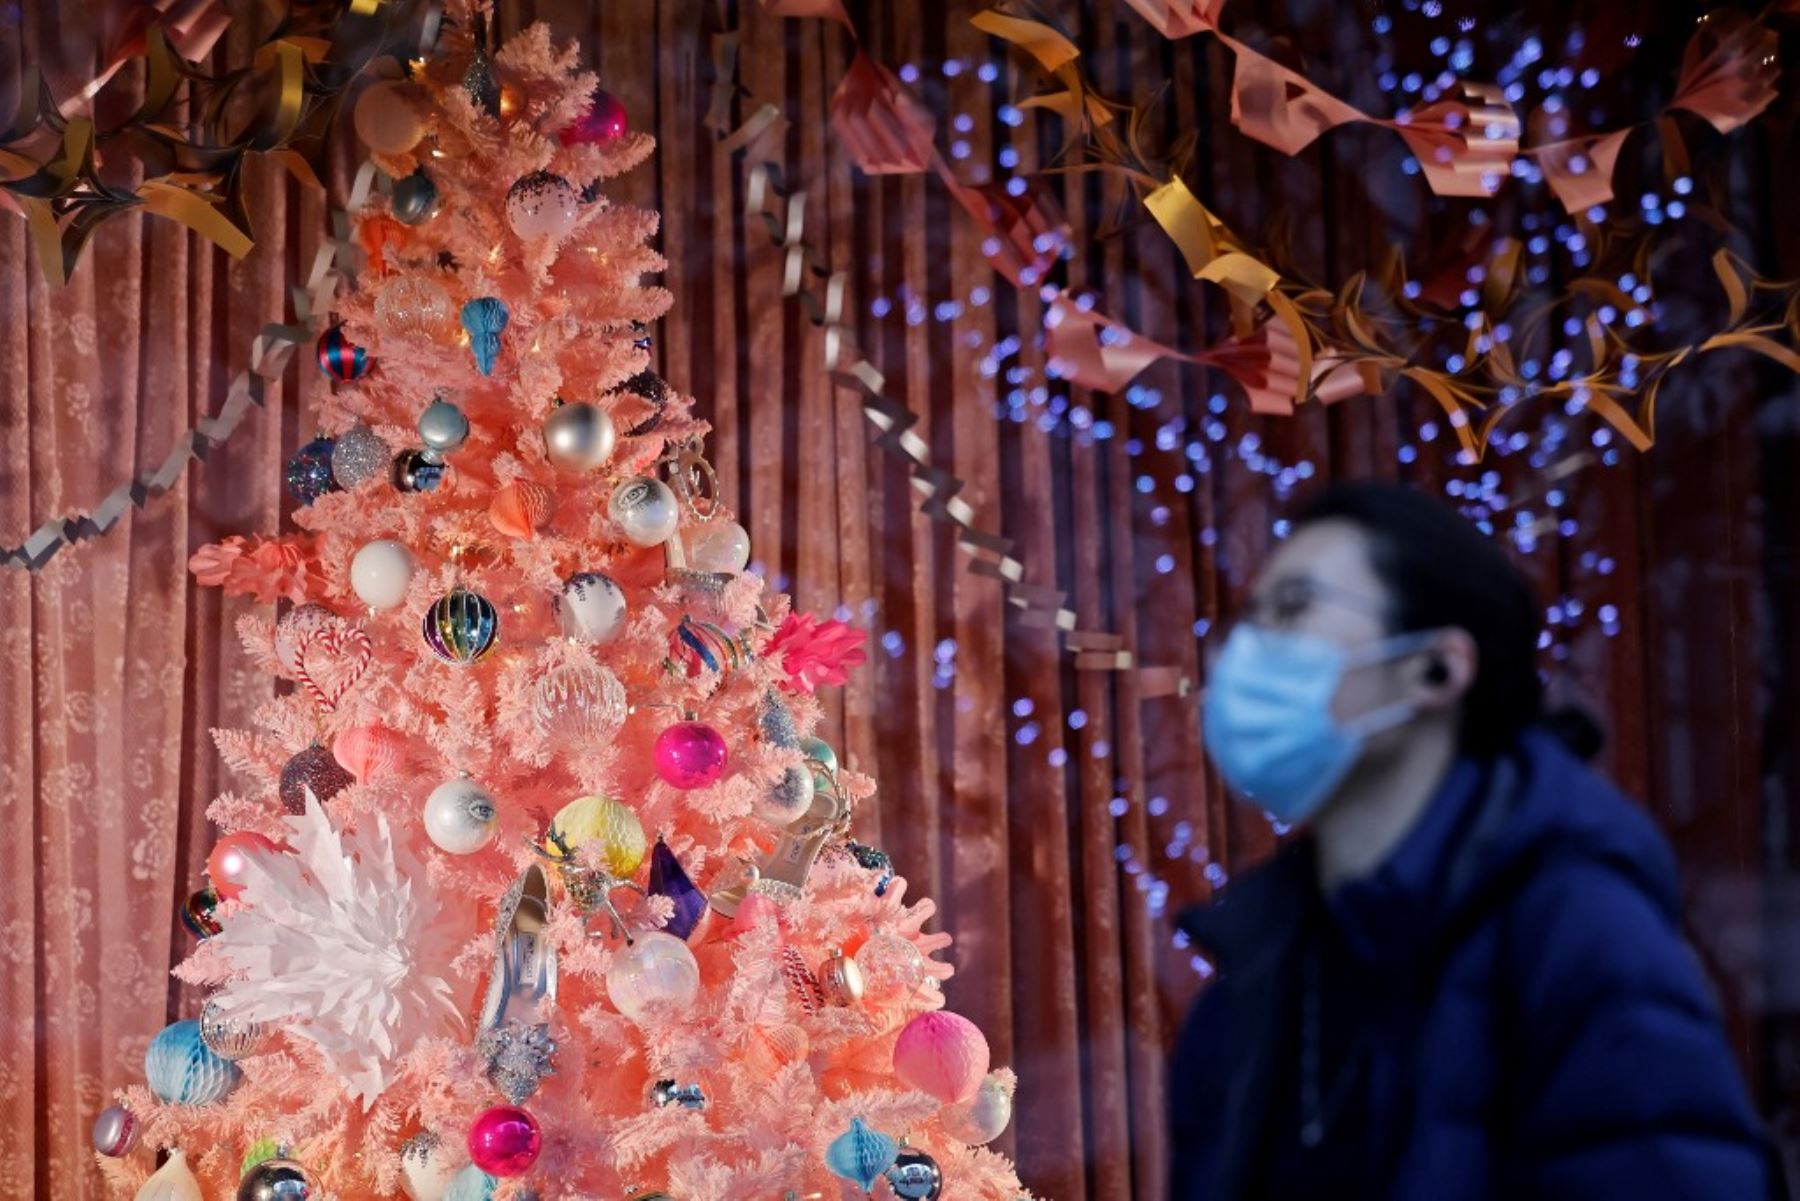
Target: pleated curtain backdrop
x=1058, y=815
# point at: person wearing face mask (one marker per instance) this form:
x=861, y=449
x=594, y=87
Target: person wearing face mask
x=1465, y=978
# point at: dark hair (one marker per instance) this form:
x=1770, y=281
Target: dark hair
x=1441, y=571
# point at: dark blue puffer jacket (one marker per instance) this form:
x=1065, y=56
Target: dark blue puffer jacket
x=1558, y=1044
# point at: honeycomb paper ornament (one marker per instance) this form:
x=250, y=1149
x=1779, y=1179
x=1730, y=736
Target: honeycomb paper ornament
x=943, y=1054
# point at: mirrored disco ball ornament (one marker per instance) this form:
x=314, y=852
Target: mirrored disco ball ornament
x=542, y=205
x=461, y=626
x=309, y=471
x=415, y=199
x=340, y=358
x=915, y=1176
x=358, y=456
x=227, y=1037
x=276, y=1180
x=416, y=471
x=579, y=699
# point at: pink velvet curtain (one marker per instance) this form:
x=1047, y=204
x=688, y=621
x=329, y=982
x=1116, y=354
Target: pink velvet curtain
x=1054, y=813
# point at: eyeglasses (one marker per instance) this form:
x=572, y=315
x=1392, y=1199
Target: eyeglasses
x=1282, y=604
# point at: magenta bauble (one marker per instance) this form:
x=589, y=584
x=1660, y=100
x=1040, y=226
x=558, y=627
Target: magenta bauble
x=604, y=122
x=690, y=754
x=943, y=1054
x=504, y=1141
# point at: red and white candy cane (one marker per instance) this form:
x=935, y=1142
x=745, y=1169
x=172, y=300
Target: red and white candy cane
x=332, y=638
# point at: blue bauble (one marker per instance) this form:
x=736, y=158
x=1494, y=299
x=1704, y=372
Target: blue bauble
x=309, y=471
x=181, y=1068
x=471, y=1184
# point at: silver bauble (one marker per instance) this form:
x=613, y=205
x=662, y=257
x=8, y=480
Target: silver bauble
x=590, y=608
x=276, y=1180
x=358, y=456
x=442, y=427
x=579, y=436
x=415, y=198
x=915, y=1176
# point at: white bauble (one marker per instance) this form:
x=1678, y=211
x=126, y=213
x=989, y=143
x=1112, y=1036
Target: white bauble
x=381, y=572
x=461, y=817
x=591, y=607
x=719, y=546
x=982, y=1118
x=426, y=1169
x=646, y=510
x=656, y=971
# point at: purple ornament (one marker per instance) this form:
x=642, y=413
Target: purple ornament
x=603, y=122
x=690, y=754
x=667, y=879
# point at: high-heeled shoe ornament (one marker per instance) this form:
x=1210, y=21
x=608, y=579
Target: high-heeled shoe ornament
x=515, y=1014
x=781, y=876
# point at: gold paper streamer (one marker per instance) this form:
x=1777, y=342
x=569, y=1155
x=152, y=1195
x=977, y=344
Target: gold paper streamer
x=292, y=90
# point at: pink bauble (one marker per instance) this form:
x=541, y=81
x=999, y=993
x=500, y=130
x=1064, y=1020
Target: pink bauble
x=231, y=856
x=603, y=123
x=504, y=1141
x=542, y=205
x=690, y=754
x=943, y=1054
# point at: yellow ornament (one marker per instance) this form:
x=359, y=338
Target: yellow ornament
x=613, y=825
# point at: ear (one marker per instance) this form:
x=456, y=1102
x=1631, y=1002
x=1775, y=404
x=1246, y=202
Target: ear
x=1446, y=668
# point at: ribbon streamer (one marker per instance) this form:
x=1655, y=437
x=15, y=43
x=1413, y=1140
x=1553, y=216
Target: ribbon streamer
x=270, y=351
x=1465, y=146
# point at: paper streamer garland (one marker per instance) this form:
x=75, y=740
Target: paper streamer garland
x=821, y=294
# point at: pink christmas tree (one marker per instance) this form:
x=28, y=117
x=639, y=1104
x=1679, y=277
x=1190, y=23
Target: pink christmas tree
x=536, y=883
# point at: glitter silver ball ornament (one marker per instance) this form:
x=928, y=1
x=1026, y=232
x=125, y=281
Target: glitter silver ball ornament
x=228, y=1037
x=415, y=199
x=579, y=436
x=915, y=1176
x=358, y=456
x=276, y=1180
x=442, y=427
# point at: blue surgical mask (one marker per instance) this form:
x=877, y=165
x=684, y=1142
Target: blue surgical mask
x=1268, y=722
